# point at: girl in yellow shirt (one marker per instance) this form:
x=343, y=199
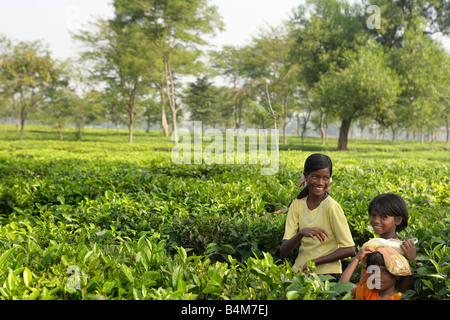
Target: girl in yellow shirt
x=317, y=222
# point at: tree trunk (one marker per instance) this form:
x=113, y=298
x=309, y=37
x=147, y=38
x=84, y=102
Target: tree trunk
x=80, y=130
x=58, y=126
x=174, y=126
x=22, y=123
x=132, y=115
x=130, y=128
x=22, y=118
x=343, y=134
x=305, y=126
x=147, y=129
x=447, y=129
x=165, y=126
x=170, y=92
x=17, y=125
x=322, y=131
x=130, y=108
x=376, y=131
x=164, y=123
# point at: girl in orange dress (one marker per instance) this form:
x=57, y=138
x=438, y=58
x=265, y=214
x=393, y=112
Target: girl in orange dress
x=384, y=267
x=388, y=215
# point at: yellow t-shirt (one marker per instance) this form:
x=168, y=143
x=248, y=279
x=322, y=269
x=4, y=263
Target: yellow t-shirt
x=328, y=216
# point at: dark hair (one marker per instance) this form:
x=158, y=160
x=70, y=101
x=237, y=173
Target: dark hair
x=391, y=205
x=375, y=258
x=314, y=162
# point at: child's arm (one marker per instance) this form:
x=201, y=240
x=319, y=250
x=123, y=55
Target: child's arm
x=339, y=254
x=348, y=272
x=409, y=248
x=288, y=245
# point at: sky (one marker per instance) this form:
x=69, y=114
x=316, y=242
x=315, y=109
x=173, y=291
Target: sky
x=51, y=20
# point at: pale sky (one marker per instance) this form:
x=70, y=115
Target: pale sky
x=50, y=20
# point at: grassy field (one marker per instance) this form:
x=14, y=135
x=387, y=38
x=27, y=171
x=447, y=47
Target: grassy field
x=100, y=218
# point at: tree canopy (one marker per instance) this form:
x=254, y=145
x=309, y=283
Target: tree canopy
x=366, y=63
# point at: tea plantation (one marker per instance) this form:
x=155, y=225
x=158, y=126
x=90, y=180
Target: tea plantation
x=100, y=218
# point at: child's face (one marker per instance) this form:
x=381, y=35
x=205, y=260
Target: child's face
x=318, y=181
x=387, y=280
x=384, y=224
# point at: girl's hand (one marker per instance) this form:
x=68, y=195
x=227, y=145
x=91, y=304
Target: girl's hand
x=409, y=248
x=304, y=268
x=314, y=233
x=363, y=253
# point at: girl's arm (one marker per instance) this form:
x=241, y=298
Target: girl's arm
x=348, y=272
x=288, y=245
x=409, y=248
x=339, y=254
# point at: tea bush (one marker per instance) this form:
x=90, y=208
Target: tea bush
x=103, y=219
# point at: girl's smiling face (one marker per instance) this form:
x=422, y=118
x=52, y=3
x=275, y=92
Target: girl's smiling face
x=387, y=280
x=318, y=181
x=384, y=225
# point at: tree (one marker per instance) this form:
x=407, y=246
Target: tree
x=229, y=63
x=119, y=54
x=267, y=65
x=367, y=86
x=30, y=76
x=152, y=111
x=86, y=102
x=111, y=101
x=422, y=65
x=201, y=101
x=398, y=18
x=175, y=29
x=323, y=31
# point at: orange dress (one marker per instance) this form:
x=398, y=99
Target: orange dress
x=364, y=293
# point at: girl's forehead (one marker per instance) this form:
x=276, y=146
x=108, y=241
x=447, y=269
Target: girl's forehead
x=324, y=171
x=374, y=212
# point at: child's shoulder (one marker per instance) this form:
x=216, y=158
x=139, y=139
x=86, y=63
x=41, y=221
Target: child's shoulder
x=327, y=203
x=330, y=202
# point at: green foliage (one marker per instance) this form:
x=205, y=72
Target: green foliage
x=201, y=99
x=103, y=219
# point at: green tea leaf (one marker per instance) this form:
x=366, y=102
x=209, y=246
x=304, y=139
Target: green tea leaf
x=27, y=277
x=128, y=273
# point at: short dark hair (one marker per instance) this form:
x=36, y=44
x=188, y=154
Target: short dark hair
x=391, y=205
x=314, y=162
x=375, y=258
